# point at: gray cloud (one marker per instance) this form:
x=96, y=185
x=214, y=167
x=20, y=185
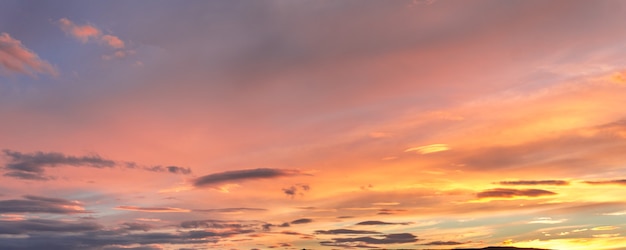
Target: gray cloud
x=169, y=169
x=345, y=231
x=222, y=224
x=296, y=189
x=32, y=166
x=36, y=204
x=509, y=193
x=387, y=239
x=136, y=226
x=242, y=175
x=41, y=225
x=534, y=182
x=442, y=243
x=607, y=182
x=302, y=221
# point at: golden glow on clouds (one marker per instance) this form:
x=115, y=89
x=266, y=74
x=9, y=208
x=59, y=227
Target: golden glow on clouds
x=428, y=149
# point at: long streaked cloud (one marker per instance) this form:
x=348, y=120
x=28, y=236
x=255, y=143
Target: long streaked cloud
x=375, y=222
x=37, y=204
x=212, y=180
x=534, y=183
x=15, y=58
x=386, y=239
x=41, y=225
x=510, y=193
x=345, y=231
x=32, y=166
x=153, y=209
x=607, y=182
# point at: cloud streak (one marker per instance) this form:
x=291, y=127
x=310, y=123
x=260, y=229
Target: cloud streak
x=15, y=58
x=511, y=193
x=153, y=209
x=38, y=204
x=534, y=183
x=213, y=180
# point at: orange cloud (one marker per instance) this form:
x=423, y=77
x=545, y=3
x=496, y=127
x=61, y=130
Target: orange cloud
x=15, y=58
x=113, y=41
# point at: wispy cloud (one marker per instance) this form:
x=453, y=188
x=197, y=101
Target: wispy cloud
x=534, y=182
x=153, y=209
x=428, y=149
x=16, y=58
x=510, y=193
x=387, y=239
x=345, y=231
x=299, y=189
x=375, y=222
x=38, y=204
x=89, y=32
x=607, y=182
x=212, y=180
x=302, y=221
x=32, y=166
x=41, y=225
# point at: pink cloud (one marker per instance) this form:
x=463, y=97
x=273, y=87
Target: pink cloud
x=112, y=41
x=80, y=32
x=15, y=58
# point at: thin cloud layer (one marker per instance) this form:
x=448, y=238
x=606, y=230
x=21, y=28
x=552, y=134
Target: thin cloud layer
x=510, y=193
x=534, y=182
x=387, y=239
x=37, y=204
x=153, y=209
x=15, y=58
x=32, y=166
x=212, y=180
x=89, y=32
x=607, y=182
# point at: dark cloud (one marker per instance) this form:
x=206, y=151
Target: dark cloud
x=36, y=162
x=375, y=222
x=32, y=166
x=242, y=175
x=302, y=221
x=387, y=239
x=169, y=169
x=136, y=226
x=509, y=193
x=607, y=182
x=442, y=243
x=535, y=182
x=297, y=189
x=37, y=204
x=41, y=225
x=222, y=224
x=345, y=231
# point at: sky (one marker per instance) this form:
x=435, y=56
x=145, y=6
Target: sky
x=316, y=124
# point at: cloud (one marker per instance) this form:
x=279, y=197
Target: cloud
x=443, y=243
x=387, y=239
x=295, y=189
x=169, y=169
x=41, y=225
x=302, y=221
x=428, y=149
x=535, y=182
x=88, y=32
x=375, y=222
x=32, y=166
x=607, y=182
x=154, y=209
x=136, y=226
x=37, y=204
x=345, y=231
x=222, y=224
x=231, y=210
x=80, y=32
x=16, y=58
x=242, y=175
x=510, y=193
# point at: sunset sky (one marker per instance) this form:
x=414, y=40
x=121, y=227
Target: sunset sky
x=317, y=124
